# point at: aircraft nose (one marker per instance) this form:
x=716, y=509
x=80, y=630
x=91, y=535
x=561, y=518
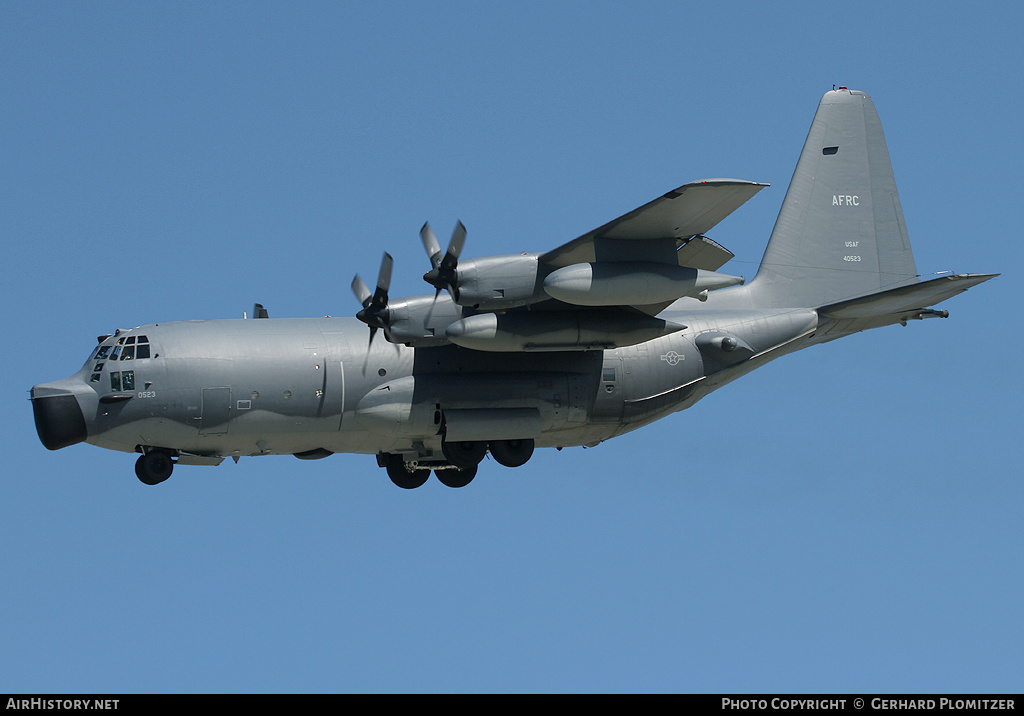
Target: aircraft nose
x=59, y=418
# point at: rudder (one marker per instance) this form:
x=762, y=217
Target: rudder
x=840, y=232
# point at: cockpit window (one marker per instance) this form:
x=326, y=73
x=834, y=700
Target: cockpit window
x=135, y=347
x=125, y=348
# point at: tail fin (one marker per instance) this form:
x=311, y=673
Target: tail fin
x=840, y=233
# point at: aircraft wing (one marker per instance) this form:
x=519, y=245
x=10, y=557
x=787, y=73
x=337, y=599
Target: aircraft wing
x=667, y=230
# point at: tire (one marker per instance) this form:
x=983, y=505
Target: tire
x=456, y=478
x=154, y=467
x=512, y=453
x=402, y=476
x=464, y=454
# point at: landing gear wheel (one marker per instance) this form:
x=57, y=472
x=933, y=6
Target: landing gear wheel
x=512, y=453
x=464, y=454
x=456, y=478
x=402, y=476
x=154, y=467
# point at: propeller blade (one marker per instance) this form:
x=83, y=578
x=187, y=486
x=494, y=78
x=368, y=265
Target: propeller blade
x=458, y=239
x=384, y=275
x=375, y=306
x=380, y=296
x=443, y=274
x=430, y=244
x=362, y=293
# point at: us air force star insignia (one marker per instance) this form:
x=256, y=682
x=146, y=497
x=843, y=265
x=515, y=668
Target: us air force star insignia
x=672, y=357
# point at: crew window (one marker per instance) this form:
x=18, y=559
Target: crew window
x=102, y=352
x=122, y=380
x=136, y=347
x=94, y=378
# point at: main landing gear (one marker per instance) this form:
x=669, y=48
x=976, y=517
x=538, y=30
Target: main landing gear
x=409, y=476
x=154, y=467
x=462, y=460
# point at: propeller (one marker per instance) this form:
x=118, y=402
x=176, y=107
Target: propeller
x=375, y=306
x=443, y=274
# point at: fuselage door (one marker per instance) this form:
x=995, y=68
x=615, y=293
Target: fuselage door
x=216, y=411
x=608, y=403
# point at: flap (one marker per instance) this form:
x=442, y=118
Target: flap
x=700, y=252
x=691, y=210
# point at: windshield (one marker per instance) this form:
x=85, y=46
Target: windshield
x=116, y=349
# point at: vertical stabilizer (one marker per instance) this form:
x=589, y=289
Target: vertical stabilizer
x=840, y=233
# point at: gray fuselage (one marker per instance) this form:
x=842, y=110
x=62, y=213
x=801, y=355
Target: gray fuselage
x=230, y=388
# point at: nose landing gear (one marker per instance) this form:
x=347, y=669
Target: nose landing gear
x=154, y=467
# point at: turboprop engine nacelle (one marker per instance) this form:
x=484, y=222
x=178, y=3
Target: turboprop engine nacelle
x=420, y=320
x=631, y=283
x=499, y=282
x=557, y=330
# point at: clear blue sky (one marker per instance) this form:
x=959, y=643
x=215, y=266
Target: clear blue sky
x=845, y=519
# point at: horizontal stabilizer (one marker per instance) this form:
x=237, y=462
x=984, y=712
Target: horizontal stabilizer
x=905, y=298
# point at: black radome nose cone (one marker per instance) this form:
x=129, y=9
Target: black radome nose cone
x=59, y=421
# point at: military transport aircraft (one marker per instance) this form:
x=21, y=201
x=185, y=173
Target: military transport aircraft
x=613, y=330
